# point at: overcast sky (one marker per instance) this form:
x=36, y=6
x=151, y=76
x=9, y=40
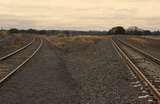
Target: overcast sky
x=79, y=14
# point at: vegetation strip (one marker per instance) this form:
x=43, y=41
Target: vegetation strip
x=18, y=67
x=137, y=71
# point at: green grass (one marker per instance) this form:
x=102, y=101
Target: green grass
x=152, y=37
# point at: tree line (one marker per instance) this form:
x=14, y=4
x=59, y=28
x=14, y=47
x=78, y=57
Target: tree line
x=113, y=31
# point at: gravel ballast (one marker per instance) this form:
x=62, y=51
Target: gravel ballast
x=43, y=80
x=86, y=74
x=150, y=46
x=102, y=76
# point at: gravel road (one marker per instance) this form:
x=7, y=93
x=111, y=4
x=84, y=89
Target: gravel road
x=90, y=74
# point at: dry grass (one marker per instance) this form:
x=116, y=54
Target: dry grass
x=62, y=40
x=19, y=40
x=137, y=40
x=3, y=34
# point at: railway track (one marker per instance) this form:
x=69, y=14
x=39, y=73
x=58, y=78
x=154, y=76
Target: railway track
x=14, y=42
x=144, y=66
x=13, y=61
x=16, y=51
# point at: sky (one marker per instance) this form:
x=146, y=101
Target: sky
x=79, y=14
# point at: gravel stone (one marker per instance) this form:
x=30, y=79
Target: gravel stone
x=102, y=76
x=91, y=74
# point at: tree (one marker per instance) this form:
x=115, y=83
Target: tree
x=13, y=30
x=156, y=32
x=134, y=30
x=147, y=32
x=117, y=30
x=31, y=31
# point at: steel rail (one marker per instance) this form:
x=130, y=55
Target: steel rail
x=137, y=71
x=149, y=56
x=16, y=51
x=24, y=62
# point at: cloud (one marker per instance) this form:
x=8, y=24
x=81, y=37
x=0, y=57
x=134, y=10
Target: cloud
x=83, y=14
x=10, y=21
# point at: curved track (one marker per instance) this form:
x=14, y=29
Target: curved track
x=16, y=51
x=136, y=59
x=10, y=63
